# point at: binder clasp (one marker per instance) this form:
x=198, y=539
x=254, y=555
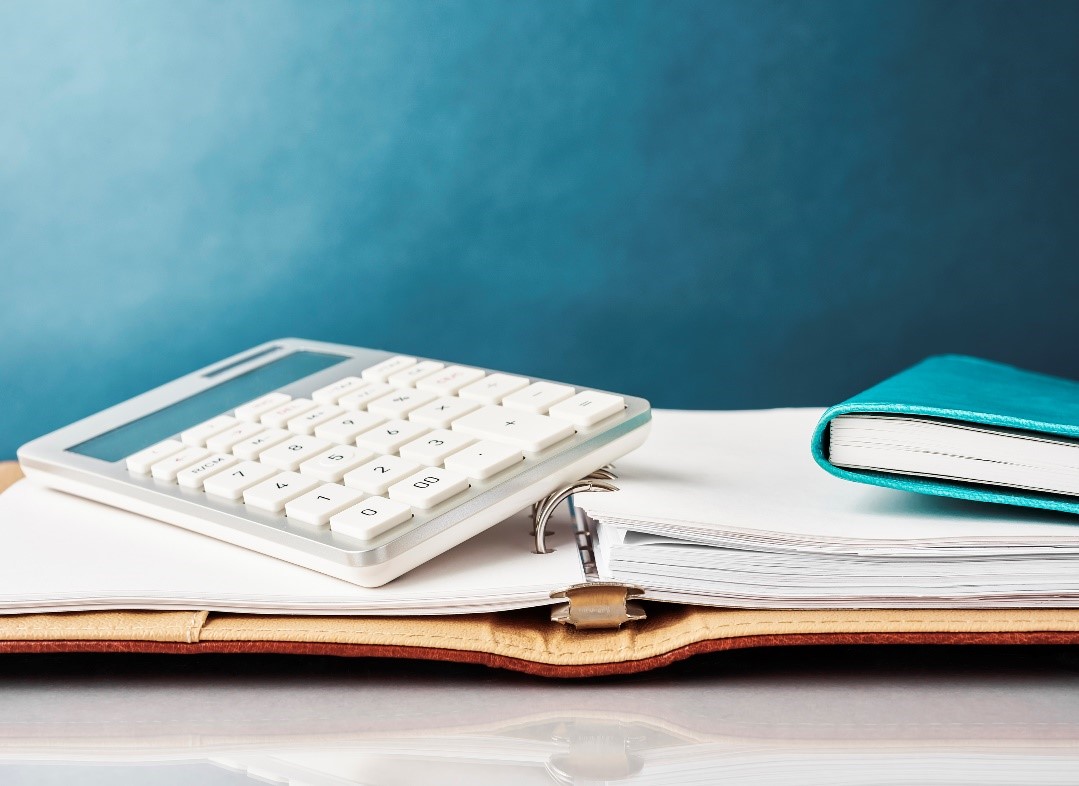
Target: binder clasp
x=598, y=604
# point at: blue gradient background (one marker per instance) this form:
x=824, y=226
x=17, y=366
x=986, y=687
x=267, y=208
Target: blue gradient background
x=710, y=204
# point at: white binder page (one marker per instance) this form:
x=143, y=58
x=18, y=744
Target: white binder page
x=729, y=509
x=65, y=553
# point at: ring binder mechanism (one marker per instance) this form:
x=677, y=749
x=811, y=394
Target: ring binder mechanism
x=593, y=604
x=600, y=480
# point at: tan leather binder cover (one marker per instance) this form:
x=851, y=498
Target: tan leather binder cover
x=526, y=640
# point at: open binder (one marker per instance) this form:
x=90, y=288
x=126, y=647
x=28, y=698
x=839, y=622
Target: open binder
x=571, y=622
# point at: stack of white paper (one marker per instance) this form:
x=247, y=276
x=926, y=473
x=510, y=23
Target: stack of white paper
x=729, y=508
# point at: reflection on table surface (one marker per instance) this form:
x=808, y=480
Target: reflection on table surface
x=827, y=715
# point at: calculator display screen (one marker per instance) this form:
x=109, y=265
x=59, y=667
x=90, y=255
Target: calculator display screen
x=138, y=434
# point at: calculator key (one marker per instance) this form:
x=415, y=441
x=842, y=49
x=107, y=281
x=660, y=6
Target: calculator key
x=196, y=436
x=316, y=507
x=381, y=371
x=345, y=428
x=194, y=476
x=332, y=393
x=400, y=402
x=331, y=465
x=433, y=448
x=538, y=397
x=484, y=459
x=233, y=481
x=253, y=410
x=390, y=436
x=223, y=442
x=370, y=518
x=278, y=417
x=309, y=421
x=588, y=407
x=441, y=412
x=359, y=399
x=250, y=448
x=411, y=375
x=520, y=429
x=142, y=461
x=428, y=487
x=291, y=453
x=377, y=476
x=449, y=380
x=493, y=388
x=168, y=468
x=274, y=493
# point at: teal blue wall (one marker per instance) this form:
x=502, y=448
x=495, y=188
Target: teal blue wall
x=711, y=204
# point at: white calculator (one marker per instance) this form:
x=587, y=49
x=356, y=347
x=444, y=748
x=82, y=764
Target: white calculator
x=354, y=462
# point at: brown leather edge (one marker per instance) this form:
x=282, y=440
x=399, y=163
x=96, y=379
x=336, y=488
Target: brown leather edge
x=530, y=667
x=9, y=473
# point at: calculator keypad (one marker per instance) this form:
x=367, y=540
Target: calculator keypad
x=365, y=452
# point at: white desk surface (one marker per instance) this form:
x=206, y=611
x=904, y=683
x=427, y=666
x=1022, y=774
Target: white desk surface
x=828, y=716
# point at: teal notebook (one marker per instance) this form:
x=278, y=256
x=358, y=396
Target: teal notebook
x=961, y=427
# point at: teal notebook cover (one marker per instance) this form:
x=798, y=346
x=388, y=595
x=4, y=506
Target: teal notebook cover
x=966, y=389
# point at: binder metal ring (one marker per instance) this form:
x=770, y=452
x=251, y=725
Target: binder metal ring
x=600, y=480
